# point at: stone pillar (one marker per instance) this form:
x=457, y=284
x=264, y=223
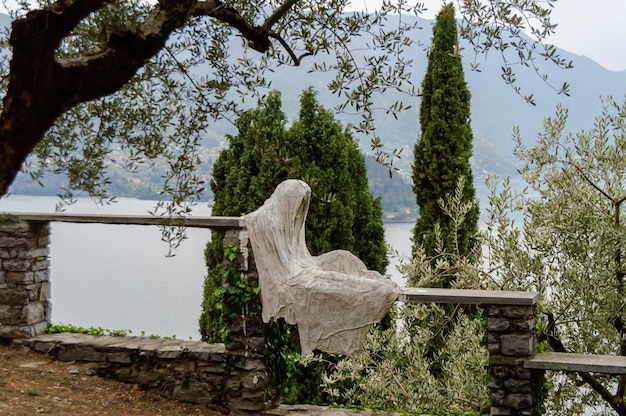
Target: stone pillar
x=25, y=307
x=249, y=377
x=512, y=339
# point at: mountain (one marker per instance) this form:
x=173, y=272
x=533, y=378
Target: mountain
x=496, y=108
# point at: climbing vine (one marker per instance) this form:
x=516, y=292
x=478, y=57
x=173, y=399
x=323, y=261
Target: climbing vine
x=237, y=292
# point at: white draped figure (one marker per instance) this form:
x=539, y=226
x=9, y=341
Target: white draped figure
x=332, y=298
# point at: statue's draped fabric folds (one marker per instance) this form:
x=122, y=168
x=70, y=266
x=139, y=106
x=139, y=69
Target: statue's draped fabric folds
x=332, y=298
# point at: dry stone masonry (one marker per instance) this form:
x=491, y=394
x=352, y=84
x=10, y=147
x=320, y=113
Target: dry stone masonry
x=24, y=286
x=511, y=341
x=189, y=371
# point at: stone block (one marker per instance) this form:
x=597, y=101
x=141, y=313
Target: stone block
x=254, y=327
x=29, y=314
x=34, y=253
x=518, y=345
x=213, y=379
x=23, y=277
x=14, y=227
x=251, y=365
x=208, y=369
x=232, y=384
x=500, y=411
x=8, y=254
x=6, y=313
x=22, y=331
x=501, y=372
x=119, y=357
x=524, y=325
x=45, y=292
x=519, y=401
x=144, y=377
x=241, y=406
x=14, y=296
x=256, y=395
x=39, y=328
x=234, y=345
x=14, y=331
x=496, y=387
x=47, y=307
x=254, y=380
x=194, y=392
x=185, y=368
x=81, y=353
x=170, y=351
x=518, y=386
x=8, y=241
x=498, y=325
x=518, y=312
x=17, y=265
x=256, y=345
x=236, y=327
x=41, y=276
x=39, y=264
x=493, y=348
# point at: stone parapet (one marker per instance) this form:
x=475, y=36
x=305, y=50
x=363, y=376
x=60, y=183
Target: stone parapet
x=189, y=371
x=25, y=306
x=511, y=341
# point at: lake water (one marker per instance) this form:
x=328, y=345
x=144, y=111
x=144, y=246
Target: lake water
x=118, y=276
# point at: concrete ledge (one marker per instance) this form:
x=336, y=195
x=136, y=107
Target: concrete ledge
x=215, y=223
x=468, y=296
x=561, y=361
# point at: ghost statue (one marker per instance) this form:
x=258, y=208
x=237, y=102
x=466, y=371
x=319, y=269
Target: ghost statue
x=332, y=298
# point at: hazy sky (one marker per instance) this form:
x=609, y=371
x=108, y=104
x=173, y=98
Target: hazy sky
x=595, y=29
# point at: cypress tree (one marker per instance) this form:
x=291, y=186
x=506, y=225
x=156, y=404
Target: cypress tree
x=443, y=152
x=342, y=214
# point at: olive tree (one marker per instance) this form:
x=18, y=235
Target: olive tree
x=568, y=247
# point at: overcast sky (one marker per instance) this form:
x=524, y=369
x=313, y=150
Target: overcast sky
x=596, y=29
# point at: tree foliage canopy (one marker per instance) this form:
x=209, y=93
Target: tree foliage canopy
x=87, y=83
x=569, y=247
x=316, y=148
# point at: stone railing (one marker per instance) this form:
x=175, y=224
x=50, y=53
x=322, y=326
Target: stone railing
x=25, y=312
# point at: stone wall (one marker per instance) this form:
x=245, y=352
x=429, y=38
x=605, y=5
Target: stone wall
x=189, y=371
x=511, y=341
x=235, y=375
x=24, y=285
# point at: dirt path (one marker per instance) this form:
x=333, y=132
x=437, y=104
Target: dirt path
x=33, y=384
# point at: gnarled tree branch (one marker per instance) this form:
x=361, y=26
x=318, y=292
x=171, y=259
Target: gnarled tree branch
x=41, y=88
